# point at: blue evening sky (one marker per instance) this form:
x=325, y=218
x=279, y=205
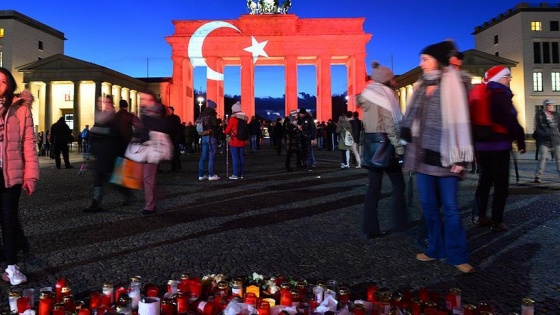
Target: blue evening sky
x=128, y=35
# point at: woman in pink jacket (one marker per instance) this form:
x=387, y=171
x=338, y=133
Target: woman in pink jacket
x=20, y=167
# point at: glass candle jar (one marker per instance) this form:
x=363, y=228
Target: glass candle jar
x=13, y=297
x=108, y=291
x=60, y=283
x=527, y=306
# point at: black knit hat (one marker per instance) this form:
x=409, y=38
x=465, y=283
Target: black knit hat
x=441, y=51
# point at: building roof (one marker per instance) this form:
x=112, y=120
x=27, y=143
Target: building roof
x=11, y=14
x=521, y=7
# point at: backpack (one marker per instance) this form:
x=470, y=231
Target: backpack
x=203, y=125
x=85, y=134
x=242, y=132
x=482, y=125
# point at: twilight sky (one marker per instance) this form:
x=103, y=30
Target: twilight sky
x=128, y=36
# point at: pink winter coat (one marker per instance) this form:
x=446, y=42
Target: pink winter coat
x=19, y=156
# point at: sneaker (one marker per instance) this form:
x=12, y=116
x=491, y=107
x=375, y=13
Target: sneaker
x=13, y=275
x=358, y=166
x=233, y=177
x=214, y=177
x=500, y=227
x=537, y=180
x=203, y=177
x=344, y=166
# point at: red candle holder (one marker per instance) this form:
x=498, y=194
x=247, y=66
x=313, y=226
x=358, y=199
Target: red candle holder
x=23, y=304
x=250, y=298
x=152, y=290
x=263, y=308
x=94, y=300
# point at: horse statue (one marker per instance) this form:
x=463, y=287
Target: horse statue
x=252, y=7
x=286, y=6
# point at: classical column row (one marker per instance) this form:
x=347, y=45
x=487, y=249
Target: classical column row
x=82, y=106
x=183, y=78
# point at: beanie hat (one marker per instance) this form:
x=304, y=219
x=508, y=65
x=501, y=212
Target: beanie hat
x=380, y=74
x=496, y=73
x=441, y=51
x=548, y=102
x=293, y=112
x=236, y=107
x=302, y=111
x=211, y=104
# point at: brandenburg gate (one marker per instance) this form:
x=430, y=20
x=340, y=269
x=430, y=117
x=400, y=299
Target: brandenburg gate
x=266, y=40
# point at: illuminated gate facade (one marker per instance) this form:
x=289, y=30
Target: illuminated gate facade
x=261, y=40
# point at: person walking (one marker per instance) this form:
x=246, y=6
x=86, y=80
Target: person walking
x=237, y=146
x=437, y=129
x=60, y=134
x=20, y=169
x=307, y=130
x=126, y=123
x=493, y=152
x=152, y=118
x=278, y=135
x=381, y=114
x=209, y=143
x=106, y=143
x=547, y=135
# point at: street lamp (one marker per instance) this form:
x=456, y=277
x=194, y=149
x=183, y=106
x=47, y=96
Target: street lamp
x=200, y=99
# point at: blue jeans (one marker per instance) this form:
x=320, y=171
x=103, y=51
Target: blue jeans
x=238, y=157
x=254, y=143
x=209, y=145
x=446, y=235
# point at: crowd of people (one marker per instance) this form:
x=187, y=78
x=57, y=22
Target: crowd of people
x=432, y=139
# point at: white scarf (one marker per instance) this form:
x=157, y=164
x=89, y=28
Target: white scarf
x=456, y=145
x=383, y=96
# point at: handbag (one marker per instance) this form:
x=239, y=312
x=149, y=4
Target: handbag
x=158, y=148
x=348, y=139
x=377, y=153
x=127, y=173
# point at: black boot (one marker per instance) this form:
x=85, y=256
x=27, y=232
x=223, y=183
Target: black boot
x=97, y=194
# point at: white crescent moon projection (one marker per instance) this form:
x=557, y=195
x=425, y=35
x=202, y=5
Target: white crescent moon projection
x=195, y=47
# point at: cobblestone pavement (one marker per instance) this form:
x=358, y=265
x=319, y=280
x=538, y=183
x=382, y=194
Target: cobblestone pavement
x=299, y=224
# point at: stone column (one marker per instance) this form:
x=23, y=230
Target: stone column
x=352, y=83
x=48, y=105
x=215, y=88
x=76, y=107
x=248, y=86
x=291, y=93
x=324, y=90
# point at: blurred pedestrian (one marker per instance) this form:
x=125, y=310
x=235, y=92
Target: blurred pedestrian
x=152, y=117
x=494, y=152
x=237, y=146
x=106, y=143
x=437, y=130
x=20, y=169
x=381, y=114
x=547, y=135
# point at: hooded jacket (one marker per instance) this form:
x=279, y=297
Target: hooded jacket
x=231, y=129
x=19, y=155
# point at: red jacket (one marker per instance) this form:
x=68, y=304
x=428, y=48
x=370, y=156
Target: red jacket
x=231, y=129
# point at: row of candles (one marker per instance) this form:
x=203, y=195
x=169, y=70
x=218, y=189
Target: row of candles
x=211, y=295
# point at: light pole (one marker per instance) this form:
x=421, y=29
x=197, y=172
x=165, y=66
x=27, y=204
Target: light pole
x=200, y=99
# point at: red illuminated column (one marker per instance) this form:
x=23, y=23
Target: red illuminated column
x=324, y=93
x=247, y=86
x=181, y=97
x=352, y=83
x=215, y=88
x=291, y=84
